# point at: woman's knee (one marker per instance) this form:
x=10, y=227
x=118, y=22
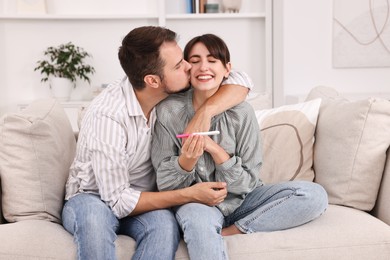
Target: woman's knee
x=199, y=216
x=315, y=194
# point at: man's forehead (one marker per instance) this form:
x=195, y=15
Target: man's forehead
x=171, y=53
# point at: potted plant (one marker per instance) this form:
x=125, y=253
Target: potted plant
x=63, y=66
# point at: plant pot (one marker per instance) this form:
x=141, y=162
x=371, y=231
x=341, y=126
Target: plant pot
x=231, y=6
x=61, y=88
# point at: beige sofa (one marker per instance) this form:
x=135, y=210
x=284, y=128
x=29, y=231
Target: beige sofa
x=349, y=158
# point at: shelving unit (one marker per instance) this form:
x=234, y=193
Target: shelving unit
x=248, y=35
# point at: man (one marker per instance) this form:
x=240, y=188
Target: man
x=111, y=188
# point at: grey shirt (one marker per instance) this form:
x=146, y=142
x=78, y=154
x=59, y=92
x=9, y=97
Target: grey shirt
x=240, y=137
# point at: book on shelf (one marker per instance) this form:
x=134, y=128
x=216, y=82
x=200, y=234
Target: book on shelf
x=197, y=6
x=187, y=6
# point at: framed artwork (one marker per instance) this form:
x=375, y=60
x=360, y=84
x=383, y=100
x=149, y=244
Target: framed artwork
x=361, y=33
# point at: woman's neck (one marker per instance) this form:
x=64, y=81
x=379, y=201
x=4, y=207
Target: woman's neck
x=200, y=97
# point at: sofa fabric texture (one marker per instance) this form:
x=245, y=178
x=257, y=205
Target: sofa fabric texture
x=38, y=145
x=350, y=153
x=287, y=135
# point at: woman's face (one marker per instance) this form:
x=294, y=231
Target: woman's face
x=207, y=72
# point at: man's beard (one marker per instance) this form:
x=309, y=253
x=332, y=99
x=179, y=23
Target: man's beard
x=168, y=91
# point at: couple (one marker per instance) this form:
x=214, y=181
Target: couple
x=112, y=184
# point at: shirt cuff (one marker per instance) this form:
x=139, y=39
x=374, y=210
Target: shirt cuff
x=227, y=164
x=126, y=203
x=239, y=78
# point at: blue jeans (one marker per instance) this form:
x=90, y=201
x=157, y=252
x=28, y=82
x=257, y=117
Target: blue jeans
x=95, y=230
x=267, y=208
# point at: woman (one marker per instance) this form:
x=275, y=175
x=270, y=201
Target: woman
x=232, y=157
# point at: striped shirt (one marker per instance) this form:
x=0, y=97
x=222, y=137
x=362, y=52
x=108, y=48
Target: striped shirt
x=240, y=137
x=113, y=148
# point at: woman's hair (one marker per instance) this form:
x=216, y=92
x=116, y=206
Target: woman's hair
x=215, y=45
x=139, y=54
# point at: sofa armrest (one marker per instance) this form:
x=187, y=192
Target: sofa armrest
x=382, y=209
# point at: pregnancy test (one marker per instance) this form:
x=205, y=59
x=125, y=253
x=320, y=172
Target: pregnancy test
x=198, y=133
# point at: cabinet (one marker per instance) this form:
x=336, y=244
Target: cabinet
x=99, y=25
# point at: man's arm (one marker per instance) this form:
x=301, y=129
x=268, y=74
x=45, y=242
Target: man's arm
x=209, y=193
x=232, y=92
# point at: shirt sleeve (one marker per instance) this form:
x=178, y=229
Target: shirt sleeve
x=109, y=163
x=165, y=150
x=239, y=78
x=241, y=171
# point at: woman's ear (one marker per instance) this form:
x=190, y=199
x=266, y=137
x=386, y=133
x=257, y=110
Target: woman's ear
x=152, y=81
x=228, y=69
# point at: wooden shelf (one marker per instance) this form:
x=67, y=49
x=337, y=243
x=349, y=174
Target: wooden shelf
x=216, y=16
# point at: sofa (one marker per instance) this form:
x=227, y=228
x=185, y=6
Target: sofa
x=341, y=144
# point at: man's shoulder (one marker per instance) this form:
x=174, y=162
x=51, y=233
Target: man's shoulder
x=110, y=102
x=239, y=78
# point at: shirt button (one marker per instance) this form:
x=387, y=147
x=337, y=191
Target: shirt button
x=201, y=169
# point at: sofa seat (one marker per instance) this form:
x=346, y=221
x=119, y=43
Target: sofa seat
x=339, y=232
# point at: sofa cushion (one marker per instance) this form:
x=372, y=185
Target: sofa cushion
x=1, y=211
x=350, y=149
x=340, y=233
x=287, y=134
x=382, y=209
x=37, y=147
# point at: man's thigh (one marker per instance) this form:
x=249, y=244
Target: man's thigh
x=156, y=221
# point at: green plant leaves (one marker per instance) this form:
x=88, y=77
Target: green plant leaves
x=65, y=61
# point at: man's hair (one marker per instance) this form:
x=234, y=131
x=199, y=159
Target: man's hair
x=139, y=54
x=215, y=45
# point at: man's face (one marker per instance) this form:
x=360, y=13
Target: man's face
x=176, y=69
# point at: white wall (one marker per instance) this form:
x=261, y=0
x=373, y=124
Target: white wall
x=22, y=41
x=304, y=58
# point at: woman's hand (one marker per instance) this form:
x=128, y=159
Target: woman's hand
x=192, y=149
x=215, y=150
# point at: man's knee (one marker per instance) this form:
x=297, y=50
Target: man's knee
x=88, y=212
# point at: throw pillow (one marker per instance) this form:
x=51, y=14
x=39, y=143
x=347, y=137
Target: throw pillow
x=352, y=138
x=287, y=133
x=37, y=147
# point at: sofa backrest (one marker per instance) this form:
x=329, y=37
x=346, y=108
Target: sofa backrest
x=1, y=211
x=352, y=138
x=382, y=209
x=37, y=147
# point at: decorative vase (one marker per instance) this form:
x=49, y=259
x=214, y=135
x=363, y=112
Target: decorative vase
x=231, y=6
x=61, y=88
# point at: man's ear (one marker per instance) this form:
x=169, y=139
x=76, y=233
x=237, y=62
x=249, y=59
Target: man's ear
x=152, y=81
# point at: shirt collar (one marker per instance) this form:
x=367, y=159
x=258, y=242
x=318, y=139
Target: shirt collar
x=132, y=103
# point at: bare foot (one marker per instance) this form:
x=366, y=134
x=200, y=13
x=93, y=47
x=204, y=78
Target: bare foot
x=231, y=230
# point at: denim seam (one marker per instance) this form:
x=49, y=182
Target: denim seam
x=241, y=212
x=146, y=232
x=246, y=223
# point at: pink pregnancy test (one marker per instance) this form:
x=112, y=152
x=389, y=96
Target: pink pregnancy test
x=198, y=133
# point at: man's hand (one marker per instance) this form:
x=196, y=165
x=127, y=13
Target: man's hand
x=209, y=193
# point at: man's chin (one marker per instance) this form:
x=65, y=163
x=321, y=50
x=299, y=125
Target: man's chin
x=180, y=91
